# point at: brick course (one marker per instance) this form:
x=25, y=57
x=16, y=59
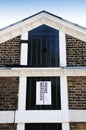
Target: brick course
x=8, y=127
x=77, y=92
x=9, y=93
x=10, y=52
x=76, y=51
x=77, y=126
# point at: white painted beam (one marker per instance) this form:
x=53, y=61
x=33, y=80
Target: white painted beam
x=42, y=116
x=77, y=115
x=37, y=116
x=7, y=117
x=52, y=116
x=32, y=72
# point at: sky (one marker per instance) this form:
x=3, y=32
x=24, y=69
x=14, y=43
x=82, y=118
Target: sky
x=12, y=11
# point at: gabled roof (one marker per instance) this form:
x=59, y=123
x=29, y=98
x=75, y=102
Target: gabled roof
x=41, y=18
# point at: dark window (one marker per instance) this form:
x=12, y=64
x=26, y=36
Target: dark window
x=43, y=126
x=43, y=47
x=31, y=94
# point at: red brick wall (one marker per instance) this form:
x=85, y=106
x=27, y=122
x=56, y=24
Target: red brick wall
x=10, y=52
x=77, y=92
x=76, y=51
x=77, y=126
x=9, y=93
x=8, y=127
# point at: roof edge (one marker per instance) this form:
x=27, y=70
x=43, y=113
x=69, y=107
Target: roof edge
x=43, y=11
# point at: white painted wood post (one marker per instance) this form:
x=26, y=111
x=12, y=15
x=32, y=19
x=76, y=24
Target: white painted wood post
x=24, y=49
x=62, y=48
x=22, y=80
x=65, y=126
x=22, y=100
x=63, y=81
x=22, y=93
x=21, y=126
x=64, y=102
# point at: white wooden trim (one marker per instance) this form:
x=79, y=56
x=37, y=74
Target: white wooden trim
x=62, y=48
x=37, y=116
x=48, y=116
x=7, y=116
x=22, y=93
x=64, y=93
x=52, y=116
x=65, y=126
x=24, y=52
x=24, y=36
x=32, y=72
x=24, y=49
x=21, y=126
x=77, y=115
x=42, y=18
x=64, y=102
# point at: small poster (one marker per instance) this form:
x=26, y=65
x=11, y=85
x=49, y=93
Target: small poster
x=43, y=93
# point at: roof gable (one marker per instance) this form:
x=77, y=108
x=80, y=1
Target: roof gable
x=39, y=19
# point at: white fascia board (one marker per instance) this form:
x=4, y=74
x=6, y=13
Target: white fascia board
x=38, y=20
x=74, y=31
x=7, y=117
x=21, y=24
x=20, y=28
x=65, y=23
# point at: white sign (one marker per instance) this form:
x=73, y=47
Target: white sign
x=43, y=93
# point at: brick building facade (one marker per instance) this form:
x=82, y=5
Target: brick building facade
x=16, y=75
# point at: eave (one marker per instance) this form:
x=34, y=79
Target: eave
x=39, y=19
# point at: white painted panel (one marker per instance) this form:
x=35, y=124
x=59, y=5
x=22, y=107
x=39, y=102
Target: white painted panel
x=24, y=53
x=65, y=115
x=64, y=93
x=38, y=116
x=32, y=72
x=6, y=116
x=24, y=36
x=24, y=49
x=21, y=126
x=77, y=115
x=62, y=48
x=65, y=126
x=64, y=103
x=22, y=93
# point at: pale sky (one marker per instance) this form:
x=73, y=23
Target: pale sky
x=12, y=11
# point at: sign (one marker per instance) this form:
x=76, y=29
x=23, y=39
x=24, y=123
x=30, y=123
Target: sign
x=43, y=93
